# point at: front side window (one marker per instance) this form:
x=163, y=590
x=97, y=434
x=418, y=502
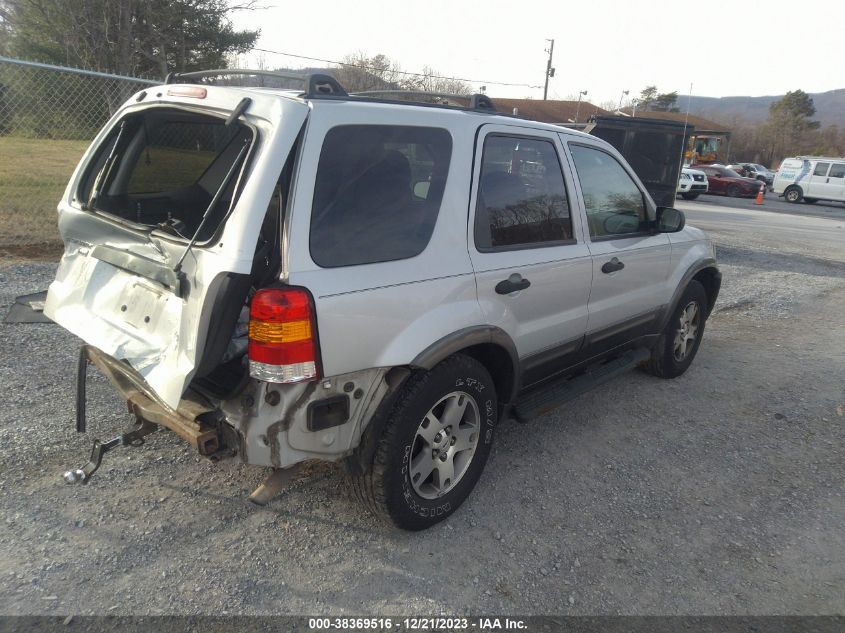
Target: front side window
x=821, y=169
x=837, y=171
x=521, y=195
x=613, y=202
x=377, y=193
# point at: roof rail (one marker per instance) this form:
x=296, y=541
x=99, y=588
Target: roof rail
x=476, y=101
x=316, y=84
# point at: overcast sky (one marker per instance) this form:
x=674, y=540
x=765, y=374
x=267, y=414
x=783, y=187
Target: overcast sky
x=743, y=47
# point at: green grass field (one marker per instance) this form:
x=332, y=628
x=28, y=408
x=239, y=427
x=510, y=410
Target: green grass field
x=33, y=176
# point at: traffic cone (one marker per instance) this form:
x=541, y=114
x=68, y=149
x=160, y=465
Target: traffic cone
x=759, y=199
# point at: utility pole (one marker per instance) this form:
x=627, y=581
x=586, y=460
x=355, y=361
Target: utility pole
x=550, y=72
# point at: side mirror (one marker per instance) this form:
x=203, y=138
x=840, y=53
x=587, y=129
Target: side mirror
x=669, y=220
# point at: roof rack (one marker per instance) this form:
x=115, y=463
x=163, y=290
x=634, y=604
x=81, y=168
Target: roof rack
x=476, y=101
x=316, y=84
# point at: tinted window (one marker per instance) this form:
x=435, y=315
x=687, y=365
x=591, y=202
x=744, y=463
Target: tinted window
x=613, y=202
x=837, y=171
x=821, y=169
x=377, y=193
x=521, y=195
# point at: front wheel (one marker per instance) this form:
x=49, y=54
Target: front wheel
x=793, y=194
x=732, y=191
x=689, y=196
x=679, y=342
x=433, y=447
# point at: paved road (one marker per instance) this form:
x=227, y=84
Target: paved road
x=767, y=229
x=773, y=204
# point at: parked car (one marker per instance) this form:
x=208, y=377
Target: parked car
x=754, y=170
x=692, y=183
x=810, y=179
x=282, y=276
x=727, y=182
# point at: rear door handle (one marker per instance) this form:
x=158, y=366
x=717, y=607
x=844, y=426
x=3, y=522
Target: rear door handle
x=512, y=284
x=612, y=266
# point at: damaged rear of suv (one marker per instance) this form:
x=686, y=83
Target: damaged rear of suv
x=281, y=276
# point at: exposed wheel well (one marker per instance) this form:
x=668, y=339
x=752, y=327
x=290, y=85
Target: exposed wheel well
x=707, y=277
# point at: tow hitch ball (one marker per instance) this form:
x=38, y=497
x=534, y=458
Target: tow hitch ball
x=132, y=438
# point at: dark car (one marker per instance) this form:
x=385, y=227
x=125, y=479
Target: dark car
x=727, y=182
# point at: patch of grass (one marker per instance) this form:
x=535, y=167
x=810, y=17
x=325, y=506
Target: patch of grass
x=33, y=176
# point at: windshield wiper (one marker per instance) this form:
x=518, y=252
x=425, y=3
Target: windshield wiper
x=217, y=195
x=105, y=171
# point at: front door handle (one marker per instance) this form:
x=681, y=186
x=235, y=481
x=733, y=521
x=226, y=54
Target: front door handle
x=512, y=284
x=612, y=266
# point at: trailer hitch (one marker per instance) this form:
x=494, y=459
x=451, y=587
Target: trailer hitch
x=132, y=438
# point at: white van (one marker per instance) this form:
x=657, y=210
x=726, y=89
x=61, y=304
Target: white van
x=811, y=178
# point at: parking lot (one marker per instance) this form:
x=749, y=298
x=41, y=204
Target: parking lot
x=717, y=493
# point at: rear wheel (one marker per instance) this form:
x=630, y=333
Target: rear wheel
x=732, y=191
x=678, y=344
x=793, y=194
x=689, y=196
x=433, y=447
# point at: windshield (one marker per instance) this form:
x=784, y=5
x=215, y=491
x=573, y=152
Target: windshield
x=730, y=172
x=162, y=168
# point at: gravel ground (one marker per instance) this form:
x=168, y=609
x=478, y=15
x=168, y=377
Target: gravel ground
x=717, y=493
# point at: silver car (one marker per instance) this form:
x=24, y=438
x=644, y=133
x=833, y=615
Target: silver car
x=283, y=276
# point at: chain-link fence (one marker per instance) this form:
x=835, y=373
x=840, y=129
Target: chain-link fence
x=48, y=115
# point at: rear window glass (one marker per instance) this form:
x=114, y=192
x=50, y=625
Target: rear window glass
x=377, y=193
x=163, y=167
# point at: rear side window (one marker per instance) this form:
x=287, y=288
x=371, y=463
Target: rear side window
x=521, y=195
x=837, y=171
x=378, y=192
x=614, y=204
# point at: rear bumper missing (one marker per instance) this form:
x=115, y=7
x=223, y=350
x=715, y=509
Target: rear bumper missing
x=143, y=403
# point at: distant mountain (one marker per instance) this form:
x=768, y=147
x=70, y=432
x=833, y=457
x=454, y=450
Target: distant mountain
x=830, y=108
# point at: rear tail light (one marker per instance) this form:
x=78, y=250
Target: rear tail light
x=282, y=336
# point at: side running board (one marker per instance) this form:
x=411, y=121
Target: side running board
x=550, y=397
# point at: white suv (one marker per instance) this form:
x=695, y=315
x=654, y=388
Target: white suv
x=281, y=276
x=692, y=183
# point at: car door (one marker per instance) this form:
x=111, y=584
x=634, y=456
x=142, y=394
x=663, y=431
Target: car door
x=827, y=182
x=817, y=183
x=527, y=246
x=630, y=262
x=715, y=183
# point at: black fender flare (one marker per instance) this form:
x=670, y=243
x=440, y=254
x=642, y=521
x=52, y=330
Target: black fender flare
x=427, y=359
x=692, y=271
x=469, y=337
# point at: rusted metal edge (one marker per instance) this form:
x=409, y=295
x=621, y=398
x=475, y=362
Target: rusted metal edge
x=143, y=402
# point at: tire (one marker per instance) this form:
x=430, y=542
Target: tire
x=732, y=191
x=388, y=487
x=689, y=196
x=811, y=200
x=793, y=194
x=665, y=361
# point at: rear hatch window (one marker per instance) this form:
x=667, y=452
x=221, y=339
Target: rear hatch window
x=162, y=168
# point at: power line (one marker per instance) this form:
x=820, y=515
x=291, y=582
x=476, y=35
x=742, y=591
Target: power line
x=398, y=72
